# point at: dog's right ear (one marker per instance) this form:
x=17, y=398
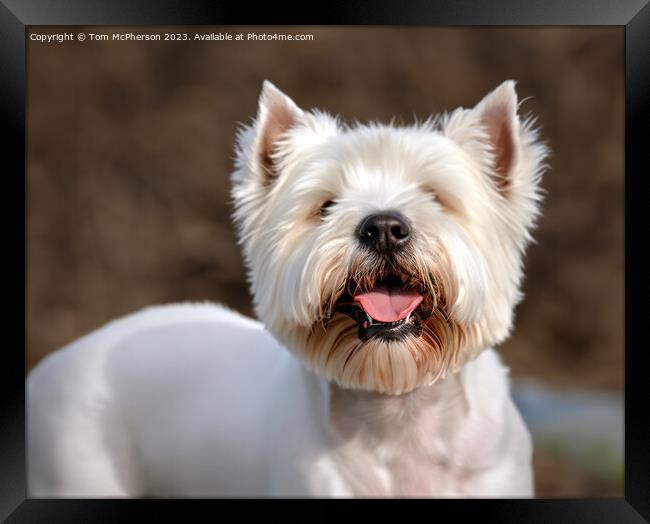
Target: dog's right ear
x=276, y=114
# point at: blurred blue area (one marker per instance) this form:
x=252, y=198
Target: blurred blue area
x=584, y=427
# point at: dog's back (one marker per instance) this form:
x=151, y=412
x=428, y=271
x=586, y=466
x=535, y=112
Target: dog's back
x=122, y=411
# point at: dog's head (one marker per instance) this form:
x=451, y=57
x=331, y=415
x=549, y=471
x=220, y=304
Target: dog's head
x=386, y=256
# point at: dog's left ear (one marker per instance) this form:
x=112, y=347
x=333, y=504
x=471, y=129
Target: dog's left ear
x=497, y=114
x=276, y=114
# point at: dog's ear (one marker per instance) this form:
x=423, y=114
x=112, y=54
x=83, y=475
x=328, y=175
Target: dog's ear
x=276, y=114
x=497, y=114
x=494, y=135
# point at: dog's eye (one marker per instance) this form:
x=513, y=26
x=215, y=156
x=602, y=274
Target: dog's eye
x=433, y=195
x=326, y=207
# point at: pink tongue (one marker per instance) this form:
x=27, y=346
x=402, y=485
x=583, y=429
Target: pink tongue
x=389, y=305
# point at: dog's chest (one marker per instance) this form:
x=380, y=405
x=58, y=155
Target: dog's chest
x=427, y=445
x=401, y=469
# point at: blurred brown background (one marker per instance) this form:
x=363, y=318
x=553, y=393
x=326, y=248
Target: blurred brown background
x=130, y=148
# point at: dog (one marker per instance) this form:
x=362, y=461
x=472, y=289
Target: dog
x=385, y=263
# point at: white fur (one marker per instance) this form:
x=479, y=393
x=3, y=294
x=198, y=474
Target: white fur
x=196, y=400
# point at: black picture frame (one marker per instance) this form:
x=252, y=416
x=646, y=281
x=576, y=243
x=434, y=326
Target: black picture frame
x=634, y=15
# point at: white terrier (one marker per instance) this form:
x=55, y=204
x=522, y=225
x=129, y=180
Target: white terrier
x=388, y=261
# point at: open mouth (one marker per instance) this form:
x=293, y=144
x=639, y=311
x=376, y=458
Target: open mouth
x=391, y=309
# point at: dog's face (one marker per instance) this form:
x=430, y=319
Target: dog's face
x=386, y=256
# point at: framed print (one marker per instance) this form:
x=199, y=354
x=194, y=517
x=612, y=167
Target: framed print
x=405, y=197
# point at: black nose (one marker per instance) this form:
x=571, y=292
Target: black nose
x=384, y=233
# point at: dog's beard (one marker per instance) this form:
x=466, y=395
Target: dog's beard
x=413, y=348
